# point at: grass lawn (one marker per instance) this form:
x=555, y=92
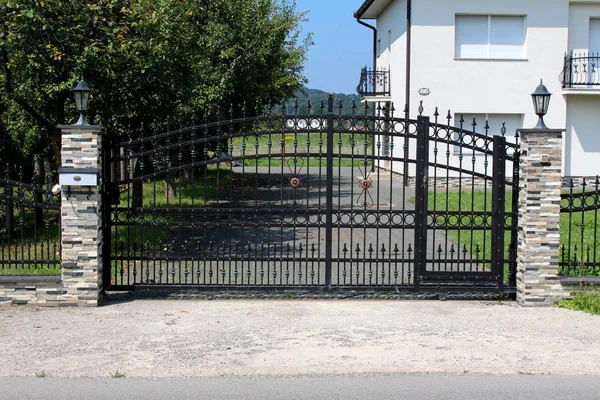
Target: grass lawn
x=582, y=232
x=588, y=302
x=31, y=269
x=570, y=231
x=27, y=243
x=147, y=237
x=466, y=202
x=301, y=142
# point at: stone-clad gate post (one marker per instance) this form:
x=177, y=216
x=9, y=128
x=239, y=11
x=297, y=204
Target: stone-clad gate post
x=81, y=234
x=539, y=211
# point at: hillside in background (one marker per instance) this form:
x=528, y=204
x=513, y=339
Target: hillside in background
x=315, y=96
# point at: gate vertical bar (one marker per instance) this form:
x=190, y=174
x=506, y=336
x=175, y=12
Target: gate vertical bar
x=514, y=235
x=329, y=196
x=498, y=208
x=9, y=210
x=106, y=190
x=421, y=198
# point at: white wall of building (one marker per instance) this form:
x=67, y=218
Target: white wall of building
x=392, y=24
x=489, y=86
x=582, y=138
x=582, y=141
x=492, y=86
x=579, y=24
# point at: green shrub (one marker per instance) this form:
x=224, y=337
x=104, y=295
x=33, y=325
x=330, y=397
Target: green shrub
x=586, y=301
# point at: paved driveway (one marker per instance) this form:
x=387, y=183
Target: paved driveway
x=189, y=338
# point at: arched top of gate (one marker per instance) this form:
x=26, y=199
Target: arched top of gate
x=466, y=133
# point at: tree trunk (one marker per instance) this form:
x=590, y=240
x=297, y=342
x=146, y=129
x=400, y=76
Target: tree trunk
x=170, y=192
x=38, y=182
x=138, y=186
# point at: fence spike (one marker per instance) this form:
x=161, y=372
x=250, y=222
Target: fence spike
x=257, y=107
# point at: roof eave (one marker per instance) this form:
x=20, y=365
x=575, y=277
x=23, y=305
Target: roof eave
x=371, y=9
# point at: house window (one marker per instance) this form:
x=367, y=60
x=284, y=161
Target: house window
x=490, y=37
x=512, y=122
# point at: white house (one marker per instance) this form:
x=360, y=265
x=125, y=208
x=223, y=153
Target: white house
x=484, y=58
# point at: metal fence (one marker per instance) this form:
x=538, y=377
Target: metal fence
x=29, y=227
x=311, y=202
x=581, y=69
x=374, y=82
x=579, y=230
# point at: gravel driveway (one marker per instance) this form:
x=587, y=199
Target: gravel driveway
x=186, y=338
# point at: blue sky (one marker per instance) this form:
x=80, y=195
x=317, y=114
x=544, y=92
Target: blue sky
x=341, y=45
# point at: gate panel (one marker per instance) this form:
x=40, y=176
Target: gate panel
x=373, y=212
x=227, y=204
x=311, y=202
x=470, y=220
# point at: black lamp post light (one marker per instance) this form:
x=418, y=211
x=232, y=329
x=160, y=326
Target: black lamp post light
x=82, y=100
x=541, y=101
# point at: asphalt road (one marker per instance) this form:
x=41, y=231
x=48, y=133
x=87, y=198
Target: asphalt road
x=413, y=387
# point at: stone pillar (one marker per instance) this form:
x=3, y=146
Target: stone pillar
x=81, y=219
x=539, y=217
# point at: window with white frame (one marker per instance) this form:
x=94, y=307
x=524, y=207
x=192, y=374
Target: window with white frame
x=496, y=122
x=490, y=37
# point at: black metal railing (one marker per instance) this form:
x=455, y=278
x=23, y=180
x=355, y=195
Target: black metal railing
x=581, y=69
x=579, y=228
x=29, y=226
x=374, y=82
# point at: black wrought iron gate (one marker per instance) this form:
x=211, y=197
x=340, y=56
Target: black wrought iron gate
x=311, y=201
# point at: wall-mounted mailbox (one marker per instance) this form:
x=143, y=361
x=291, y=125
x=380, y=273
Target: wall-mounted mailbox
x=78, y=176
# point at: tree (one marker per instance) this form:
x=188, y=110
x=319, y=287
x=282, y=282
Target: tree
x=145, y=59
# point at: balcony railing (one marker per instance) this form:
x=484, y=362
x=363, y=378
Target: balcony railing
x=581, y=69
x=374, y=83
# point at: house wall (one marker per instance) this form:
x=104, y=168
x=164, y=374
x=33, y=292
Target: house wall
x=582, y=140
x=489, y=86
x=582, y=137
x=496, y=86
x=579, y=24
x=393, y=20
